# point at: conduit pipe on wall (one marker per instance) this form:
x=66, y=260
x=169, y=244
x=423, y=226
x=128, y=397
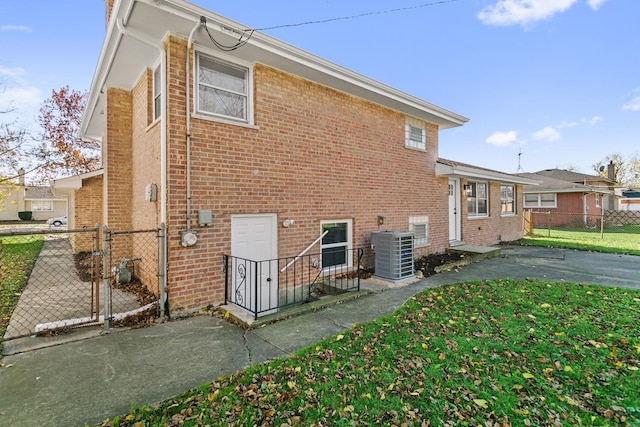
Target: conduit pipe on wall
x=163, y=147
x=188, y=119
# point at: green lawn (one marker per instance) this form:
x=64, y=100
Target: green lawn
x=518, y=353
x=623, y=240
x=18, y=257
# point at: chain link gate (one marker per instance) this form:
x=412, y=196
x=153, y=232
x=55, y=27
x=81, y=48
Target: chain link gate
x=50, y=280
x=53, y=280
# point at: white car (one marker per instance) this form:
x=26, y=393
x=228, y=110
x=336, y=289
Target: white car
x=57, y=221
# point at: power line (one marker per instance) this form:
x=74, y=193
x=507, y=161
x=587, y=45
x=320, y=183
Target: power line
x=242, y=40
x=361, y=15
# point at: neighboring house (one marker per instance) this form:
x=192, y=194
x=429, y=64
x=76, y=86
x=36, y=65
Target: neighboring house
x=266, y=147
x=566, y=198
x=629, y=200
x=39, y=200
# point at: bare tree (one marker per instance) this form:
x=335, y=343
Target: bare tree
x=62, y=152
x=626, y=168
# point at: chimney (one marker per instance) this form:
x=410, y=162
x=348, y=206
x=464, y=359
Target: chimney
x=611, y=174
x=21, y=177
x=108, y=10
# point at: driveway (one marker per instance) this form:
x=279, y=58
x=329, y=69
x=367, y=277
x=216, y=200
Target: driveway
x=89, y=380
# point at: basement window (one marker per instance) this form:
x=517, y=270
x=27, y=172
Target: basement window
x=420, y=227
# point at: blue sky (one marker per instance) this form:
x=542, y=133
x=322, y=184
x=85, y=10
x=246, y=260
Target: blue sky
x=558, y=80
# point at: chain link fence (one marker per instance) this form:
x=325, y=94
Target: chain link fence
x=52, y=280
x=610, y=221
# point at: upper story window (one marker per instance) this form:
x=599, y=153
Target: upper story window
x=415, y=134
x=477, y=199
x=223, y=89
x=157, y=93
x=507, y=200
x=540, y=200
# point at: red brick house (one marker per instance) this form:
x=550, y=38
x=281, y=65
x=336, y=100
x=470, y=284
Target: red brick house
x=244, y=145
x=566, y=198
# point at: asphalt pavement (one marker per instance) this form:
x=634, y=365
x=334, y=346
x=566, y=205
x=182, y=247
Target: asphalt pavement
x=89, y=376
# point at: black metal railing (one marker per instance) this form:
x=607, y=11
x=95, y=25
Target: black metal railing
x=264, y=287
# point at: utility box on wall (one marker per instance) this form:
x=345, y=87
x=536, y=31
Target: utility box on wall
x=393, y=255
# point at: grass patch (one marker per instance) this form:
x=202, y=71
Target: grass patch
x=502, y=352
x=18, y=257
x=625, y=240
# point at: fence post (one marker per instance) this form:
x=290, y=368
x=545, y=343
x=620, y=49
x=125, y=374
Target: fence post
x=226, y=277
x=162, y=268
x=255, y=295
x=105, y=277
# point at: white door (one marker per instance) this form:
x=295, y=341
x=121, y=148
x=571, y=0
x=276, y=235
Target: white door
x=254, y=280
x=454, y=208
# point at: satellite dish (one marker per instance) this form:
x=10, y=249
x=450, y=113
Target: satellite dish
x=601, y=168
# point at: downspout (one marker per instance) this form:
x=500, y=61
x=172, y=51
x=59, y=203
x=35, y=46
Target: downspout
x=163, y=154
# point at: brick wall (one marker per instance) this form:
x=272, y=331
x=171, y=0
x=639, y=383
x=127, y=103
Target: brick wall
x=316, y=154
x=496, y=227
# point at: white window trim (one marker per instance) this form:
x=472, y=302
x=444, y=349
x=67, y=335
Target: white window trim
x=539, y=205
x=156, y=81
x=234, y=62
x=349, y=243
x=513, y=200
x=476, y=215
x=419, y=220
x=32, y=201
x=410, y=143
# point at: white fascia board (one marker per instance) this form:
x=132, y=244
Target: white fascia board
x=74, y=182
x=466, y=172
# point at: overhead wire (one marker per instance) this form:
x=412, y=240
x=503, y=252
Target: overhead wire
x=248, y=32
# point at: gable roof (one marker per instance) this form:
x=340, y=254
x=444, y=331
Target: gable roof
x=454, y=169
x=137, y=27
x=549, y=184
x=39, y=193
x=577, y=177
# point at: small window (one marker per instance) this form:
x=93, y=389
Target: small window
x=540, y=200
x=507, y=200
x=415, y=135
x=597, y=200
x=223, y=89
x=420, y=227
x=477, y=199
x=336, y=244
x=157, y=93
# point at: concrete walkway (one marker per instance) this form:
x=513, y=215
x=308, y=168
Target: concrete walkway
x=92, y=379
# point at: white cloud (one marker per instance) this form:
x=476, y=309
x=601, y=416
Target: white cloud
x=593, y=120
x=596, y=4
x=523, y=12
x=503, y=139
x=566, y=124
x=20, y=97
x=22, y=28
x=633, y=105
x=13, y=73
x=547, y=133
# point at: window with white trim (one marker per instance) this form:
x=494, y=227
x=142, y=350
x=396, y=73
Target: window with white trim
x=157, y=93
x=42, y=205
x=335, y=245
x=507, y=200
x=415, y=134
x=420, y=227
x=540, y=200
x=597, y=200
x=477, y=199
x=223, y=89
